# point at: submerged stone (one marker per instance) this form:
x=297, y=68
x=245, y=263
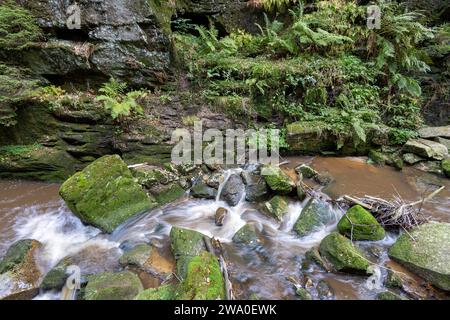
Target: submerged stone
x=113, y=286
x=360, y=224
x=425, y=252
x=105, y=194
x=247, y=235
x=343, y=255
x=315, y=214
x=276, y=207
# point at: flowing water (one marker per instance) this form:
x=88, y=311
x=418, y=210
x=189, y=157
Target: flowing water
x=34, y=210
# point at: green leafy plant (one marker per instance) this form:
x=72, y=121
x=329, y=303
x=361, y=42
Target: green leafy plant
x=121, y=105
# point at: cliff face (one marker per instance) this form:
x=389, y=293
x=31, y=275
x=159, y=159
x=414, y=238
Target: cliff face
x=127, y=39
x=120, y=38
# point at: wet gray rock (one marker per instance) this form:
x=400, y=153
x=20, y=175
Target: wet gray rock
x=233, y=190
x=426, y=148
x=256, y=188
x=411, y=158
x=201, y=190
x=433, y=132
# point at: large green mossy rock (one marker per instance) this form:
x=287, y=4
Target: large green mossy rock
x=314, y=215
x=165, y=292
x=19, y=271
x=185, y=245
x=359, y=224
x=426, y=252
x=113, y=286
x=277, y=180
x=105, y=194
x=342, y=254
x=276, y=207
x=203, y=279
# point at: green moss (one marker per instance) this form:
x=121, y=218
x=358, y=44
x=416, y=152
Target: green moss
x=18, y=28
x=165, y=292
x=277, y=180
x=185, y=245
x=104, y=194
x=341, y=253
x=203, y=280
x=171, y=193
x=446, y=167
x=359, y=224
x=377, y=157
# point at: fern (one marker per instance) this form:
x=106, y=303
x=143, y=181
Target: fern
x=120, y=105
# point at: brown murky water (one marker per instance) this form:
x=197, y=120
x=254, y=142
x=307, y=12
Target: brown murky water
x=34, y=210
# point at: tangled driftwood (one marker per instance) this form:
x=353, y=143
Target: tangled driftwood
x=394, y=213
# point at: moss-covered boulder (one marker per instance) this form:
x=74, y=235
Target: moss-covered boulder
x=113, y=286
x=342, y=254
x=315, y=214
x=276, y=207
x=377, y=157
x=277, y=180
x=359, y=224
x=165, y=292
x=446, y=167
x=105, y=194
x=185, y=245
x=203, y=279
x=425, y=251
x=19, y=271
